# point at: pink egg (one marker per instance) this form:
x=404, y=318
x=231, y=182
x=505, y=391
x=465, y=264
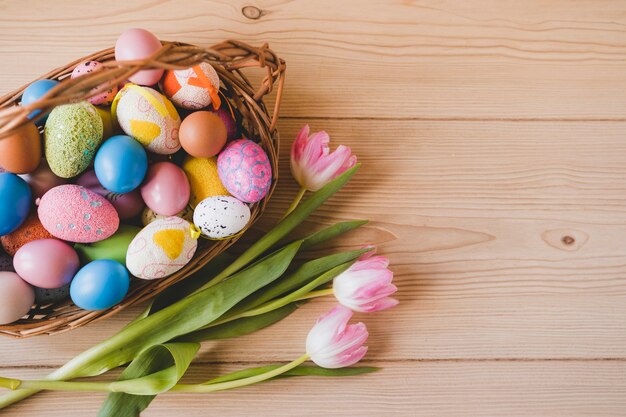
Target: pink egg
x=127, y=205
x=139, y=44
x=245, y=170
x=166, y=189
x=46, y=263
x=16, y=297
x=86, y=67
x=42, y=179
x=75, y=214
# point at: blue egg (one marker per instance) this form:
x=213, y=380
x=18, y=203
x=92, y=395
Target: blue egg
x=15, y=199
x=121, y=164
x=34, y=92
x=99, y=284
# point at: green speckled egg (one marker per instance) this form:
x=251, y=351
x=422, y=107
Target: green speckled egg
x=72, y=135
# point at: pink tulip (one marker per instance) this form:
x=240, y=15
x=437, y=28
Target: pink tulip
x=366, y=286
x=312, y=163
x=332, y=343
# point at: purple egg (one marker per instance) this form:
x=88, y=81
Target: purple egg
x=225, y=116
x=6, y=262
x=127, y=205
x=42, y=179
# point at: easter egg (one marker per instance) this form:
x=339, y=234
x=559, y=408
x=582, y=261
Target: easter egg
x=15, y=199
x=20, y=151
x=86, y=67
x=228, y=119
x=72, y=134
x=6, y=262
x=221, y=217
x=149, y=117
x=203, y=179
x=245, y=170
x=42, y=179
x=76, y=214
x=34, y=92
x=127, y=205
x=192, y=88
x=30, y=230
x=148, y=215
x=46, y=263
x=135, y=44
x=161, y=248
x=202, y=134
x=114, y=247
x=16, y=297
x=166, y=189
x=121, y=164
x=109, y=125
x=100, y=284
x=45, y=296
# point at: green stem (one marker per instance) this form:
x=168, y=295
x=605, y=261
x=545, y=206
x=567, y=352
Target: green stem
x=295, y=202
x=88, y=386
x=315, y=294
x=238, y=383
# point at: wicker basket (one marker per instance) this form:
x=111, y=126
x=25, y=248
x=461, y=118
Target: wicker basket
x=228, y=58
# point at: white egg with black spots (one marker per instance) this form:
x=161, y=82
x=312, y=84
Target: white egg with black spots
x=219, y=217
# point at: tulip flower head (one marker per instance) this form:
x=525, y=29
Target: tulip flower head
x=366, y=286
x=312, y=163
x=333, y=343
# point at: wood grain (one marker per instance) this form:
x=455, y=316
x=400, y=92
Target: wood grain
x=492, y=140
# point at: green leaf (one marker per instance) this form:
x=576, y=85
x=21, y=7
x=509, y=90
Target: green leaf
x=153, y=371
x=304, y=274
x=331, y=232
x=240, y=327
x=302, y=370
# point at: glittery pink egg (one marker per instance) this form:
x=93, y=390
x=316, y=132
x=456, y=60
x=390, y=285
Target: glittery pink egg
x=86, y=67
x=76, y=214
x=245, y=170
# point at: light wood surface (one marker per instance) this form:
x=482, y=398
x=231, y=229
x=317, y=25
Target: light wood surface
x=493, y=142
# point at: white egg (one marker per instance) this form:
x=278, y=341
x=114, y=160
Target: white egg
x=161, y=248
x=219, y=217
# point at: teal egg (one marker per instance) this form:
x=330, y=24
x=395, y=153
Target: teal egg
x=72, y=135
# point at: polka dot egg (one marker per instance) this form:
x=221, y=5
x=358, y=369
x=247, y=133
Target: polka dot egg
x=161, y=248
x=86, y=67
x=221, y=217
x=245, y=170
x=148, y=116
x=76, y=214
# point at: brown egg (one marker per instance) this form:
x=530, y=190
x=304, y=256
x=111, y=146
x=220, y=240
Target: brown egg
x=30, y=230
x=202, y=134
x=20, y=152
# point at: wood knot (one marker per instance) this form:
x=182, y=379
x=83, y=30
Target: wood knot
x=565, y=239
x=252, y=12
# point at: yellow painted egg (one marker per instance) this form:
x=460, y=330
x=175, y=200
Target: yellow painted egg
x=203, y=179
x=161, y=248
x=148, y=116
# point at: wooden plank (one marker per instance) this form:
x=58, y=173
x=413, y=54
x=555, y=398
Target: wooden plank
x=484, y=388
x=426, y=60
x=476, y=237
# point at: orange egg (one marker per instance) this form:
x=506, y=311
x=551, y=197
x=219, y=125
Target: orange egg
x=202, y=134
x=20, y=152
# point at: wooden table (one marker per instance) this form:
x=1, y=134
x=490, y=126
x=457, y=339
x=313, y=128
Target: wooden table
x=493, y=142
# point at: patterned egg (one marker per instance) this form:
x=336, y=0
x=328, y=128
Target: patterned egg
x=148, y=215
x=72, y=135
x=192, y=88
x=30, y=230
x=45, y=296
x=86, y=67
x=245, y=170
x=76, y=214
x=161, y=248
x=148, y=116
x=221, y=217
x=203, y=179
